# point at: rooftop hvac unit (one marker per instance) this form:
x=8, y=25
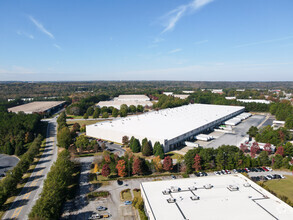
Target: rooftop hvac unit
x=246, y=185
x=175, y=189
x=166, y=192
x=208, y=186
x=233, y=188
x=171, y=200
x=195, y=197
x=192, y=188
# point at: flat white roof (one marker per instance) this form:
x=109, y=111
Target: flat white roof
x=168, y=123
x=35, y=107
x=133, y=97
x=118, y=103
x=254, y=100
x=219, y=202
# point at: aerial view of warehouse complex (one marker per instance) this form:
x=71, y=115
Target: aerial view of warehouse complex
x=171, y=127
x=213, y=197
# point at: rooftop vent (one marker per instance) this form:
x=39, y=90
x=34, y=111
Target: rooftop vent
x=171, y=200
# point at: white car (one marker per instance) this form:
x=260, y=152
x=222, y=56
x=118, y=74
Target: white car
x=95, y=216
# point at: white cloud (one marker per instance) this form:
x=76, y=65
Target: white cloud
x=22, y=33
x=173, y=16
x=175, y=50
x=41, y=27
x=264, y=42
x=57, y=46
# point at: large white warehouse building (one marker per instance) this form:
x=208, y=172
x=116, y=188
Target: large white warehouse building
x=171, y=127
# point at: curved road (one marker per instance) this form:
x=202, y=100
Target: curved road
x=24, y=202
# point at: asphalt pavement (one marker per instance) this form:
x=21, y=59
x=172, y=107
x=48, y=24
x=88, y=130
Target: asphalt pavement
x=7, y=162
x=239, y=132
x=24, y=202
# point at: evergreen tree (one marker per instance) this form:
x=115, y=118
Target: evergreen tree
x=90, y=111
x=147, y=149
x=18, y=149
x=105, y=115
x=64, y=137
x=97, y=113
x=158, y=150
x=135, y=146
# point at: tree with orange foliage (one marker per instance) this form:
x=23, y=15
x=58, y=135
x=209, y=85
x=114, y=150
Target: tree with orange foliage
x=157, y=163
x=168, y=163
x=121, y=168
x=137, y=166
x=280, y=151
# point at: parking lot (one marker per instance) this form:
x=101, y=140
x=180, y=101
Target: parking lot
x=7, y=163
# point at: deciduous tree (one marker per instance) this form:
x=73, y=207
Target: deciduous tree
x=137, y=166
x=106, y=170
x=168, y=163
x=196, y=164
x=121, y=168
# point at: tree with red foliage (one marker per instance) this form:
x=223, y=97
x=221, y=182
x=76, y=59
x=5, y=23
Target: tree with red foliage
x=168, y=163
x=268, y=148
x=106, y=170
x=280, y=151
x=137, y=166
x=244, y=148
x=121, y=168
x=196, y=164
x=254, y=149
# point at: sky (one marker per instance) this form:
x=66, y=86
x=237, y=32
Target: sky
x=191, y=40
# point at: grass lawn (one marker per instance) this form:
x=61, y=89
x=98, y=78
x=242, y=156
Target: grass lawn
x=83, y=122
x=126, y=195
x=174, y=155
x=282, y=187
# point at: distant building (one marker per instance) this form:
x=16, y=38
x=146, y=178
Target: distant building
x=168, y=93
x=218, y=91
x=42, y=107
x=213, y=197
x=230, y=98
x=180, y=96
x=188, y=92
x=263, y=101
x=127, y=100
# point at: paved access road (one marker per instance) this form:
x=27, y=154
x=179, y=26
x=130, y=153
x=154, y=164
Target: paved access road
x=7, y=162
x=24, y=202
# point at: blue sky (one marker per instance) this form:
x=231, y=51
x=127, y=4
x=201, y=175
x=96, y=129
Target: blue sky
x=226, y=40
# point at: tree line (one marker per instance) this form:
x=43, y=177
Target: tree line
x=283, y=112
x=8, y=185
x=55, y=190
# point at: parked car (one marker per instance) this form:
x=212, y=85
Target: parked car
x=265, y=169
x=235, y=171
x=95, y=216
x=173, y=177
x=101, y=208
x=127, y=202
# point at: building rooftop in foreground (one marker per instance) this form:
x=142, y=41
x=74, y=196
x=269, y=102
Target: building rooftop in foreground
x=36, y=107
x=213, y=197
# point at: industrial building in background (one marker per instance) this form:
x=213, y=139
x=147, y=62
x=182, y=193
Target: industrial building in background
x=42, y=107
x=214, y=197
x=170, y=127
x=127, y=100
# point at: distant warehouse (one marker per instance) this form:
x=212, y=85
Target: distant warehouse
x=127, y=100
x=171, y=127
x=38, y=107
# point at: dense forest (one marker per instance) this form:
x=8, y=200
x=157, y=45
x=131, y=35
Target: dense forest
x=16, y=130
x=114, y=88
